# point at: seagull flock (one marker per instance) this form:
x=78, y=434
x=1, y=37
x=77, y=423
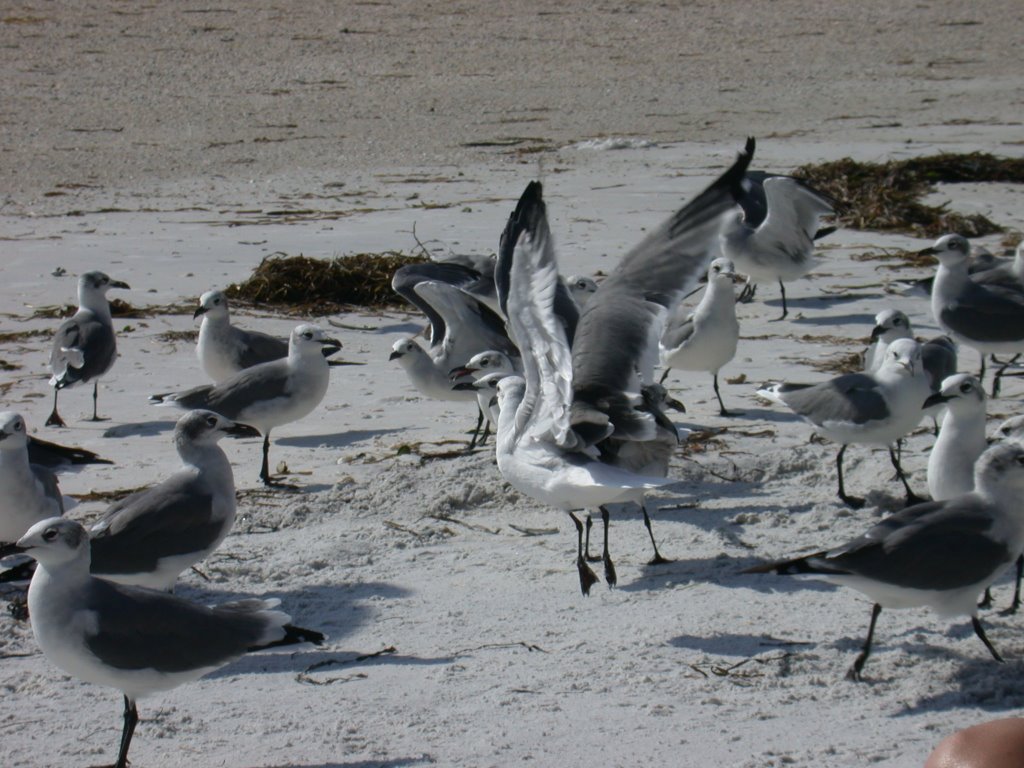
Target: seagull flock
x=563, y=371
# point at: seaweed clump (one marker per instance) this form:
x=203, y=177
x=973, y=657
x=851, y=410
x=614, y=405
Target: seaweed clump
x=308, y=286
x=886, y=196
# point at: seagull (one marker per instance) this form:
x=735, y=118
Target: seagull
x=149, y=538
x=940, y=554
x=490, y=365
x=863, y=408
x=581, y=288
x=890, y=324
x=224, y=349
x=961, y=439
x=1006, y=274
x=772, y=236
x=138, y=641
x=705, y=339
x=84, y=347
x=1011, y=429
x=30, y=492
x=270, y=394
x=572, y=397
x=989, y=318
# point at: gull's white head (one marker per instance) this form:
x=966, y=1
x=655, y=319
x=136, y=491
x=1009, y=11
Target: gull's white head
x=961, y=393
x=212, y=304
x=405, y=350
x=482, y=363
x=511, y=390
x=1000, y=471
x=13, y=433
x=581, y=288
x=721, y=272
x=201, y=427
x=55, y=540
x=1011, y=429
x=950, y=250
x=310, y=340
x=891, y=324
x=903, y=356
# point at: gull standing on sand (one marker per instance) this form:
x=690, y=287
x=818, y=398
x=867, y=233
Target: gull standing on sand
x=705, y=339
x=890, y=324
x=28, y=492
x=149, y=538
x=224, y=349
x=989, y=318
x=863, y=408
x=771, y=237
x=270, y=394
x=138, y=641
x=940, y=554
x=488, y=367
x=84, y=347
x=569, y=399
x=961, y=439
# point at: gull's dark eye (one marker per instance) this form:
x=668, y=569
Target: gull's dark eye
x=1020, y=458
x=307, y=335
x=965, y=387
x=18, y=426
x=211, y=421
x=896, y=321
x=50, y=535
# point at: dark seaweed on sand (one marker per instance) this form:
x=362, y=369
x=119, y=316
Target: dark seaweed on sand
x=318, y=286
x=886, y=196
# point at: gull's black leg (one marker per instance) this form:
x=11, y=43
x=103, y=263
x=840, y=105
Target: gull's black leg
x=981, y=633
x=586, y=547
x=912, y=498
x=785, y=309
x=853, y=501
x=858, y=664
x=131, y=719
x=664, y=376
x=981, y=373
x=54, y=419
x=476, y=429
x=1016, y=590
x=721, y=406
x=265, y=467
x=997, y=379
x=587, y=577
x=657, y=559
x=609, y=567
x=986, y=600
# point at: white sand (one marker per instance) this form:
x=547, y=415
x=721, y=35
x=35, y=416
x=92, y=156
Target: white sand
x=498, y=660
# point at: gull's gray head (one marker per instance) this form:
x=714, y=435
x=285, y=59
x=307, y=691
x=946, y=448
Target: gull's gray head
x=950, y=250
x=656, y=395
x=904, y=356
x=403, y=350
x=487, y=383
x=308, y=340
x=891, y=324
x=212, y=304
x=961, y=393
x=13, y=434
x=999, y=471
x=55, y=540
x=98, y=282
x=1011, y=429
x=490, y=361
x=721, y=271
x=206, y=428
x=581, y=288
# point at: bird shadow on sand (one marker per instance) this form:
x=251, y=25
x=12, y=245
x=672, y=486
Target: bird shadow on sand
x=852, y=319
x=140, y=429
x=408, y=328
x=335, y=440
x=394, y=762
x=736, y=645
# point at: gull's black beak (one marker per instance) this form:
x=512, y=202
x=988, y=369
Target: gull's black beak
x=459, y=372
x=395, y=355
x=876, y=332
x=241, y=430
x=675, y=405
x=330, y=346
x=200, y=310
x=464, y=385
x=937, y=399
x=493, y=402
x=929, y=251
x=119, y=284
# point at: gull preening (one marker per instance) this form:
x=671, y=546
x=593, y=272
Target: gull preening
x=705, y=339
x=939, y=554
x=224, y=349
x=569, y=399
x=84, y=346
x=149, y=538
x=138, y=641
x=771, y=238
x=270, y=394
x=875, y=408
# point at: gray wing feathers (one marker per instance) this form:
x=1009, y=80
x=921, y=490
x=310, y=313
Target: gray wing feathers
x=853, y=398
x=255, y=348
